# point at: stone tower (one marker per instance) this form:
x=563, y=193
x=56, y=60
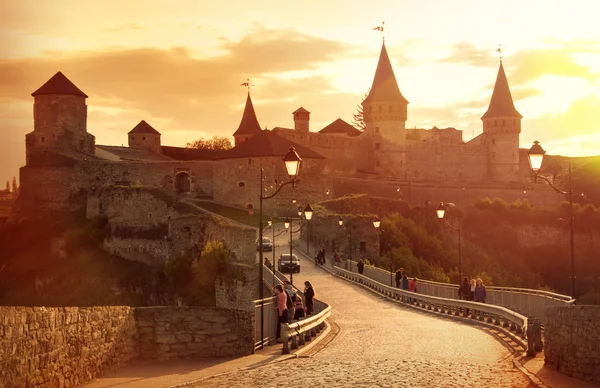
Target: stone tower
x=501, y=127
x=301, y=120
x=144, y=136
x=59, y=118
x=249, y=125
x=385, y=113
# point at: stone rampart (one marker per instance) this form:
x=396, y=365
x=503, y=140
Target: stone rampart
x=180, y=332
x=68, y=346
x=63, y=346
x=572, y=341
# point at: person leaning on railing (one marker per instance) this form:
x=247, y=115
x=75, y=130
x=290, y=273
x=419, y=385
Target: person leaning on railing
x=281, y=310
x=309, y=294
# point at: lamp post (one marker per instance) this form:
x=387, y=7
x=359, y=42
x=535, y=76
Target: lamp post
x=341, y=224
x=308, y=213
x=536, y=156
x=377, y=224
x=288, y=225
x=441, y=212
x=270, y=222
x=292, y=165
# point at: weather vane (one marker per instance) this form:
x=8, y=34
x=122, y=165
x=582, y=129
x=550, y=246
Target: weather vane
x=499, y=51
x=247, y=84
x=382, y=29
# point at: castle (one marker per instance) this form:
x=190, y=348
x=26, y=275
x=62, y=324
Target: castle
x=64, y=167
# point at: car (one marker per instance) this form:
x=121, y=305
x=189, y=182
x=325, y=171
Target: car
x=285, y=264
x=267, y=244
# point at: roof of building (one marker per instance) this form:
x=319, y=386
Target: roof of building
x=59, y=84
x=385, y=87
x=340, y=126
x=501, y=104
x=181, y=153
x=144, y=127
x=301, y=110
x=249, y=124
x=268, y=143
x=134, y=154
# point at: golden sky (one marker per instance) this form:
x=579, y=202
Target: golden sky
x=178, y=64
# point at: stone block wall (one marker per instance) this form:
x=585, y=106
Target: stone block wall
x=572, y=341
x=179, y=332
x=63, y=346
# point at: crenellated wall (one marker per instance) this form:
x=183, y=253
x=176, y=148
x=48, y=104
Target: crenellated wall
x=572, y=341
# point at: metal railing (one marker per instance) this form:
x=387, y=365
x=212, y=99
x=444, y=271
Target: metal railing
x=510, y=322
x=305, y=328
x=529, y=302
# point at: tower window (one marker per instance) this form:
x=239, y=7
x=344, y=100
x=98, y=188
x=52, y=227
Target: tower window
x=377, y=146
x=42, y=139
x=132, y=138
x=249, y=161
x=493, y=141
x=378, y=163
x=376, y=129
x=241, y=184
x=143, y=137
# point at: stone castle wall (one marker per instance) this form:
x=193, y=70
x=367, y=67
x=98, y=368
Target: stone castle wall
x=69, y=346
x=462, y=194
x=238, y=183
x=63, y=346
x=194, y=332
x=572, y=341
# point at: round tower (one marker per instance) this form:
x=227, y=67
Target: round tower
x=59, y=117
x=502, y=128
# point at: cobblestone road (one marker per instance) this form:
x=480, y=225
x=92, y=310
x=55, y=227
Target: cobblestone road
x=384, y=345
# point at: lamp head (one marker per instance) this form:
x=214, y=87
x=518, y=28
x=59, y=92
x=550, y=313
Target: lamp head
x=341, y=221
x=292, y=163
x=286, y=223
x=308, y=212
x=536, y=156
x=441, y=210
x=270, y=222
x=377, y=223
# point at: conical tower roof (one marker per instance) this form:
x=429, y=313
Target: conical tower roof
x=249, y=124
x=501, y=104
x=144, y=127
x=59, y=84
x=385, y=87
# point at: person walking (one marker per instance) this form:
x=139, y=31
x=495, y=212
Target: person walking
x=480, y=292
x=361, y=266
x=309, y=294
x=399, y=274
x=282, y=312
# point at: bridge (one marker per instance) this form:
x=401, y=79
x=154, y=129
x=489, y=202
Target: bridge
x=383, y=338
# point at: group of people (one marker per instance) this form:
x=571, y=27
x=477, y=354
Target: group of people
x=320, y=256
x=403, y=282
x=290, y=304
x=473, y=290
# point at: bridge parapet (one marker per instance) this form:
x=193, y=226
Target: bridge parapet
x=510, y=322
x=529, y=302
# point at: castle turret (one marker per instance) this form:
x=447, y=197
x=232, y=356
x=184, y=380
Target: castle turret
x=249, y=125
x=301, y=120
x=385, y=108
x=144, y=136
x=501, y=127
x=59, y=118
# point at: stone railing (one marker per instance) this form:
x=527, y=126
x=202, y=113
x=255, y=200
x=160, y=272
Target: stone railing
x=532, y=303
x=511, y=323
x=310, y=328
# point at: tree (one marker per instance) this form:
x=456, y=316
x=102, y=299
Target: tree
x=217, y=143
x=358, y=119
x=15, y=188
x=7, y=188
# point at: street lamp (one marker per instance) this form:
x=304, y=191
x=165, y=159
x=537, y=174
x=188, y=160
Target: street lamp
x=377, y=224
x=341, y=222
x=536, y=156
x=441, y=212
x=299, y=211
x=308, y=213
x=292, y=165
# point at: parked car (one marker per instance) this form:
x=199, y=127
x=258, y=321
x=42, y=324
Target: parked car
x=287, y=265
x=267, y=244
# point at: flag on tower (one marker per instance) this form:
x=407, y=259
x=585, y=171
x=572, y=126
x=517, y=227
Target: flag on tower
x=245, y=84
x=378, y=28
x=499, y=50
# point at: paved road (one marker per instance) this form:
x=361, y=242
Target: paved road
x=381, y=344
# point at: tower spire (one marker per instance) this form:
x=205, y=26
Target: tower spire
x=385, y=87
x=501, y=104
